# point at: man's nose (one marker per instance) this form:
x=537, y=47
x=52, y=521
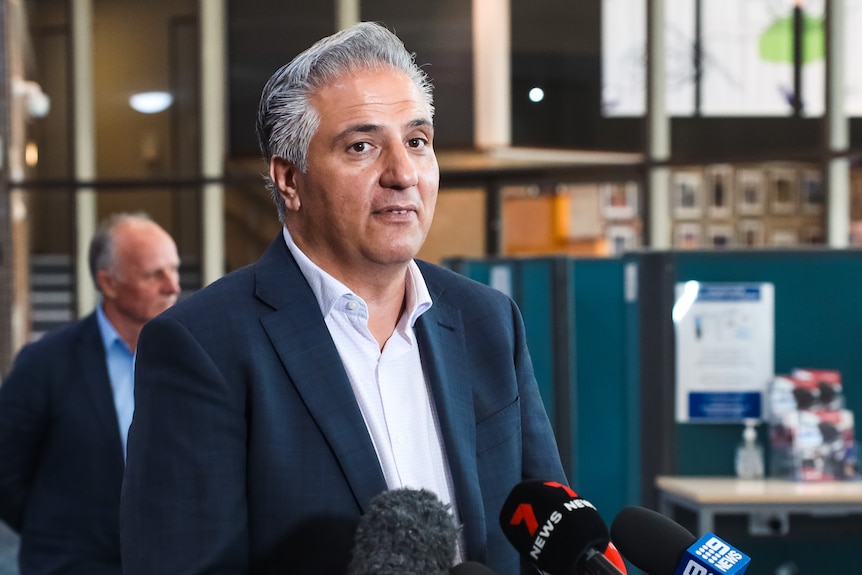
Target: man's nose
x=400, y=169
x=171, y=283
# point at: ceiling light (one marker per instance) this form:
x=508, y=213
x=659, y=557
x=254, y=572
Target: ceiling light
x=536, y=95
x=151, y=102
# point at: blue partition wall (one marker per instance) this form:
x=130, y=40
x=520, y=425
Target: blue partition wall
x=818, y=315
x=576, y=325
x=602, y=341
x=605, y=382
x=818, y=311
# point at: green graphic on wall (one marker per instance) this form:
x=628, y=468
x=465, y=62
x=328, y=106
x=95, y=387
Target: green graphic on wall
x=776, y=43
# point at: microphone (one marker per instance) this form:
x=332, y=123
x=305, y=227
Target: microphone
x=470, y=568
x=557, y=531
x=405, y=531
x=659, y=546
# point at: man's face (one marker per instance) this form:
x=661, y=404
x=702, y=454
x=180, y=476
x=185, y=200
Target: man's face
x=145, y=279
x=369, y=194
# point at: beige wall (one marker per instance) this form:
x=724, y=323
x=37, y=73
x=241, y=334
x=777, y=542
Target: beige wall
x=458, y=228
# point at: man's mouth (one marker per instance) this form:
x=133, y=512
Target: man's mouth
x=395, y=211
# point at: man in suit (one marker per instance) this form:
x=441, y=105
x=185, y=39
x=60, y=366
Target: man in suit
x=66, y=406
x=274, y=404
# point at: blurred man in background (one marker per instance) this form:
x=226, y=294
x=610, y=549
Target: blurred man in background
x=66, y=406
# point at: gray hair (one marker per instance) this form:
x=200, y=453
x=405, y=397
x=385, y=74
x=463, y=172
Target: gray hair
x=286, y=120
x=102, y=255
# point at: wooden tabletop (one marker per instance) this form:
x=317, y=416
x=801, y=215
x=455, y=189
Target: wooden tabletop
x=731, y=490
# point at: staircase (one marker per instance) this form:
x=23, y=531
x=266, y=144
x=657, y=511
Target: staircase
x=52, y=293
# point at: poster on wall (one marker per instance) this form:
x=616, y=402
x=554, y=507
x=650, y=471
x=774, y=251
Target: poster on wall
x=725, y=341
x=747, y=57
x=623, y=53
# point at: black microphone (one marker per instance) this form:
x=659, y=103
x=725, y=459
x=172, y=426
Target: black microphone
x=557, y=531
x=405, y=531
x=470, y=568
x=660, y=546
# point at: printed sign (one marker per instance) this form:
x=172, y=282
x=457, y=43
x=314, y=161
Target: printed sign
x=724, y=350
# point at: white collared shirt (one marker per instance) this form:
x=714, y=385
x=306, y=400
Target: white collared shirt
x=389, y=385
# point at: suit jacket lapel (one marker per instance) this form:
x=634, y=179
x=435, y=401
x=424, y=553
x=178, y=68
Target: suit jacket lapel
x=94, y=373
x=440, y=334
x=309, y=356
x=305, y=349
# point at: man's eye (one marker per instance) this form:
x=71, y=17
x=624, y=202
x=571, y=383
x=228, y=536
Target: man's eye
x=416, y=142
x=359, y=147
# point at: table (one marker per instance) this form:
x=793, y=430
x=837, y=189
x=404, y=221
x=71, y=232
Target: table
x=767, y=502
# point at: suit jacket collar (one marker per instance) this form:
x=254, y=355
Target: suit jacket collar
x=90, y=355
x=440, y=333
x=305, y=348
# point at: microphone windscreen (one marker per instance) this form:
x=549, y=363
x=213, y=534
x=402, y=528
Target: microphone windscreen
x=470, y=568
x=551, y=526
x=651, y=541
x=405, y=531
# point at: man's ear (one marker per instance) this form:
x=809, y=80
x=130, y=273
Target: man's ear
x=105, y=283
x=283, y=175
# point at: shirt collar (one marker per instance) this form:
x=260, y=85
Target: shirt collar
x=329, y=290
x=109, y=334
x=418, y=297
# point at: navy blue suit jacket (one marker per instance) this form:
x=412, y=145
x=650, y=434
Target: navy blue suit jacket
x=248, y=452
x=61, y=458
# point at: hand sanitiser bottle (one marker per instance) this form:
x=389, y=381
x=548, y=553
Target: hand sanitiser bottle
x=749, y=454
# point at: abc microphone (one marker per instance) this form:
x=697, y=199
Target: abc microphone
x=405, y=531
x=557, y=531
x=660, y=546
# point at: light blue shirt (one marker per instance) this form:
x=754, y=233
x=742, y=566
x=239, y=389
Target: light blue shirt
x=121, y=371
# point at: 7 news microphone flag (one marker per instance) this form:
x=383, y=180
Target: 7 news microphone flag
x=558, y=531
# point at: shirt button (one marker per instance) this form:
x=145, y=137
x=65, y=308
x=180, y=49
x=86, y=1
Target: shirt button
x=352, y=304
